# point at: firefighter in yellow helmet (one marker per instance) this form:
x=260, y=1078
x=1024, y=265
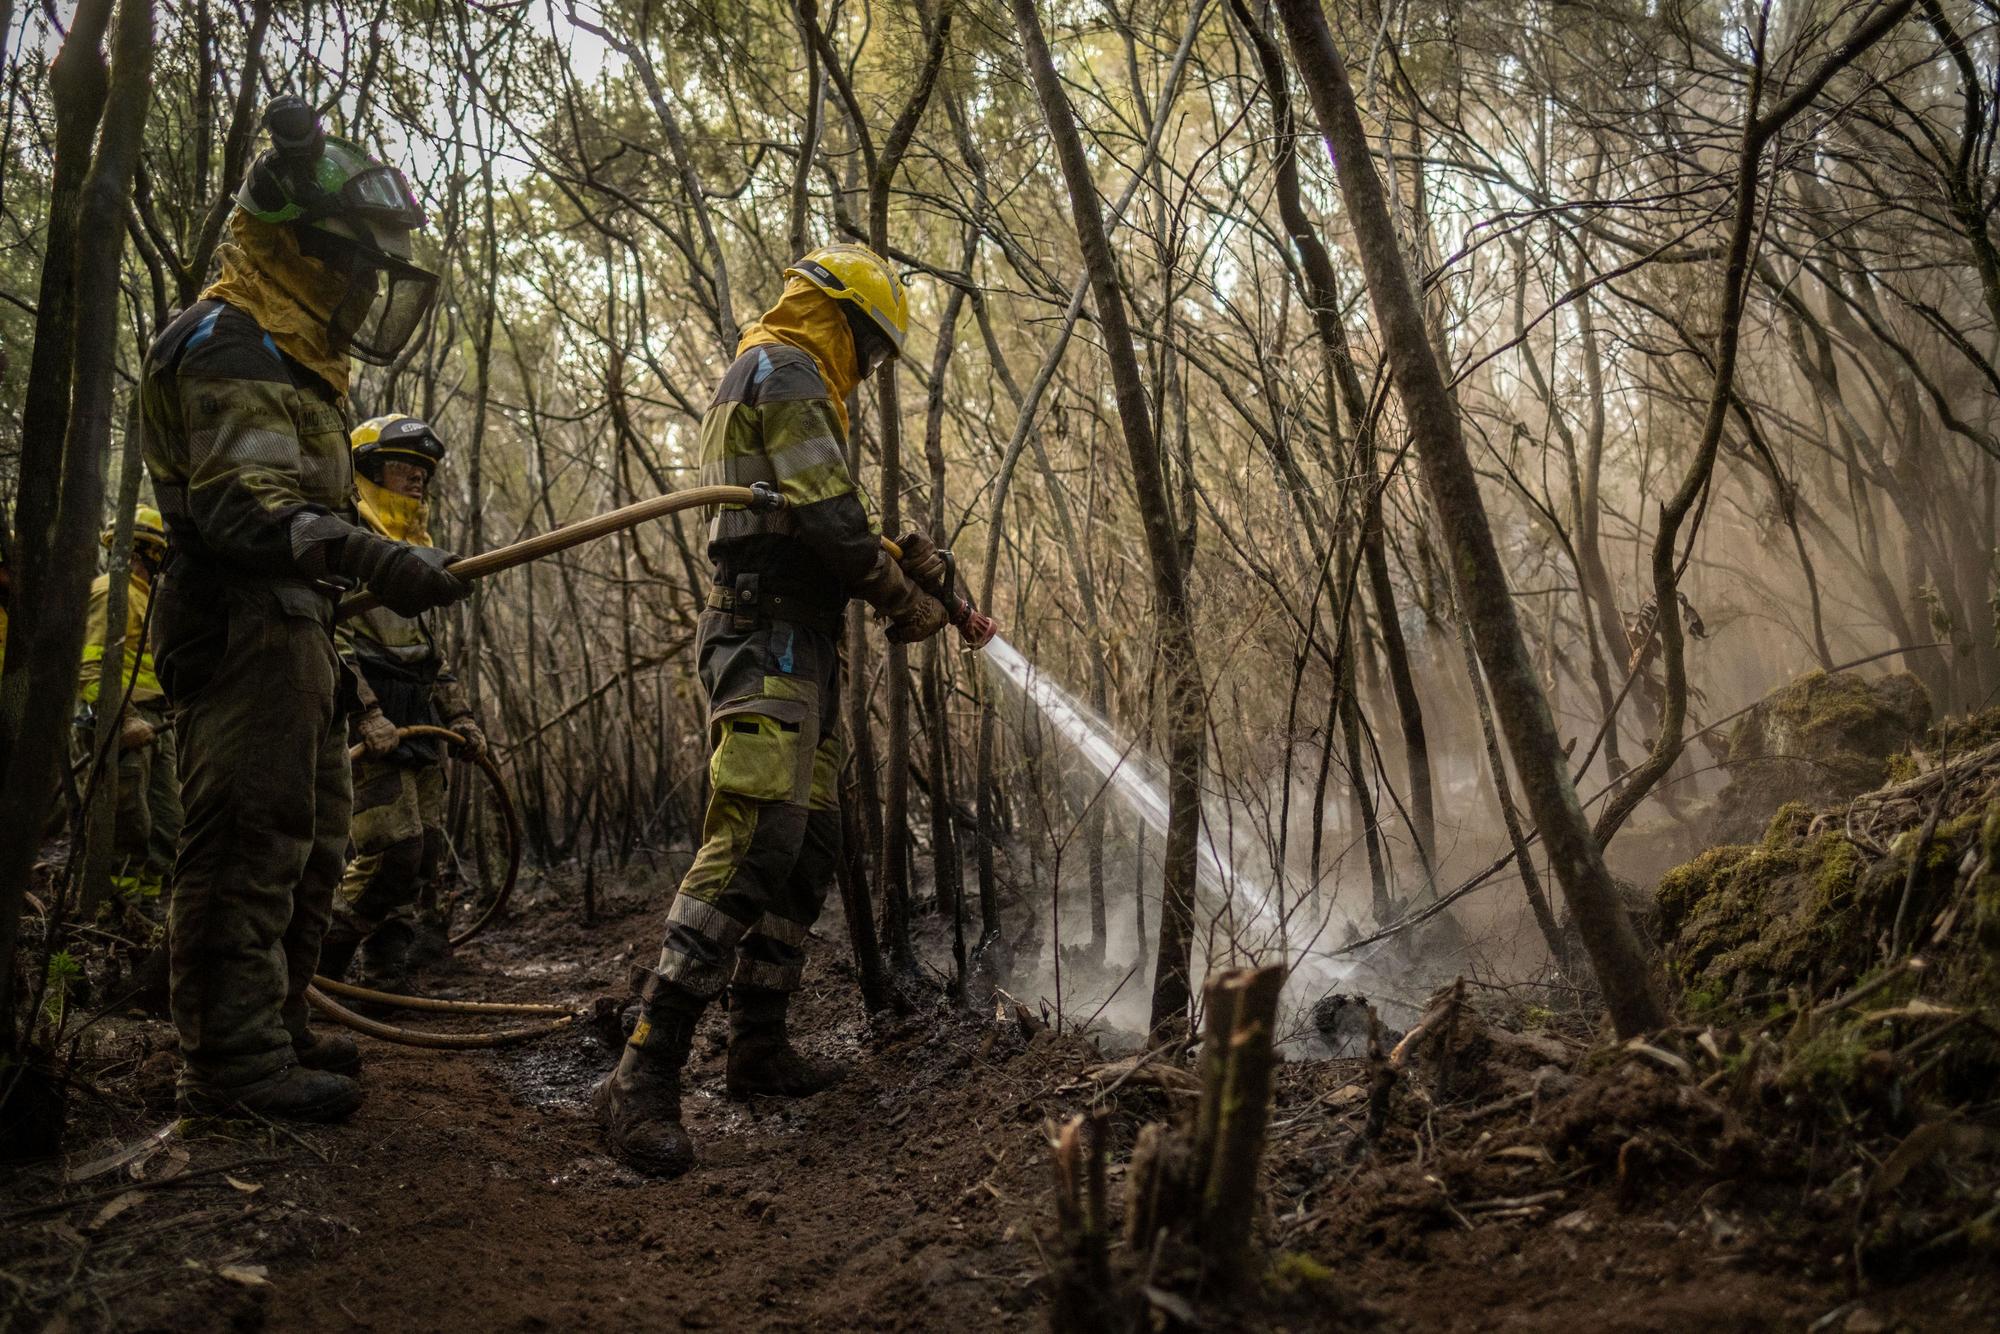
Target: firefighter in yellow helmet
x=399, y=783
x=149, y=802
x=768, y=659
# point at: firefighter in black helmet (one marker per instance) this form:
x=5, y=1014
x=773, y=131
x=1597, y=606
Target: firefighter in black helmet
x=246, y=415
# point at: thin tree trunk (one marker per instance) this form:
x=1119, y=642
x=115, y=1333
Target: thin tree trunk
x=1623, y=971
x=102, y=817
x=70, y=496
x=1186, y=701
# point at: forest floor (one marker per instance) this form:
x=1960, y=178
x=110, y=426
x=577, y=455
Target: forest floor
x=470, y=1191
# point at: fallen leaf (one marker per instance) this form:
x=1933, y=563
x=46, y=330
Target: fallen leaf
x=137, y=1151
x=116, y=1207
x=176, y=1162
x=247, y=1187
x=249, y=1276
x=1345, y=1096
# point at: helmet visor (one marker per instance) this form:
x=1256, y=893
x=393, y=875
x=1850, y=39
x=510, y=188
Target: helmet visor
x=381, y=195
x=407, y=295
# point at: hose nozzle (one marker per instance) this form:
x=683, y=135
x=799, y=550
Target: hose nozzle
x=765, y=498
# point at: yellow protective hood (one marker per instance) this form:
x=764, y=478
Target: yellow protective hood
x=811, y=321
x=398, y=518
x=291, y=296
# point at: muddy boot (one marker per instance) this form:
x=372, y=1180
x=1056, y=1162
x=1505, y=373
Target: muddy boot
x=296, y=1094
x=336, y=1053
x=385, y=957
x=762, y=1061
x=639, y=1106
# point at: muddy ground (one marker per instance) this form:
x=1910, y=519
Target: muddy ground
x=470, y=1193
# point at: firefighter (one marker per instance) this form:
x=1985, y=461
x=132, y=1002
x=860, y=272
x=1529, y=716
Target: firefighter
x=399, y=783
x=767, y=655
x=246, y=417
x=148, y=822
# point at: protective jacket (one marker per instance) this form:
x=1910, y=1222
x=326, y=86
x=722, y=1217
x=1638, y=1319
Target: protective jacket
x=137, y=670
x=779, y=417
x=244, y=433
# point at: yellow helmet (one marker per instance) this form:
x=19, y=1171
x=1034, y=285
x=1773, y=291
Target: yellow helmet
x=395, y=435
x=857, y=275
x=149, y=533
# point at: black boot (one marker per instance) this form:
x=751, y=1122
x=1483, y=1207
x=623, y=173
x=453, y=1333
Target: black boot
x=385, y=957
x=762, y=1060
x=639, y=1105
x=336, y=950
x=296, y=1094
x=335, y=1053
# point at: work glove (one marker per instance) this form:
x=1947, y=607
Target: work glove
x=930, y=569
x=927, y=567
x=409, y=579
x=470, y=735
x=918, y=622
x=912, y=614
x=378, y=735
x=134, y=732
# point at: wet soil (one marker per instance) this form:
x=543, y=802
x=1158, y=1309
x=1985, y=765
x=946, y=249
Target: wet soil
x=470, y=1193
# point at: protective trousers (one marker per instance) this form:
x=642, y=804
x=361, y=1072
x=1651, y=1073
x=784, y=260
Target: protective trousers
x=771, y=837
x=264, y=784
x=398, y=837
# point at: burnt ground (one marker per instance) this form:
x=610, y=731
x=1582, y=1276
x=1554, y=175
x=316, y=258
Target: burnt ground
x=470, y=1192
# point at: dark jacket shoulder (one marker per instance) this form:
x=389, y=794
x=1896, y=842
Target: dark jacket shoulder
x=773, y=373
x=214, y=339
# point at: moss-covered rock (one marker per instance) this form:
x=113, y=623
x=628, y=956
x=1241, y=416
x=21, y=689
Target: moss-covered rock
x=1743, y=920
x=1742, y=925
x=1820, y=739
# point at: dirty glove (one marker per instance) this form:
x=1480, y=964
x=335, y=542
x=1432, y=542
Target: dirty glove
x=919, y=622
x=378, y=734
x=470, y=735
x=912, y=613
x=409, y=579
x=932, y=571
x=134, y=732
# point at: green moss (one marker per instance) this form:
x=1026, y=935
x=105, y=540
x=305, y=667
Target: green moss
x=1292, y=1271
x=1819, y=738
x=1738, y=920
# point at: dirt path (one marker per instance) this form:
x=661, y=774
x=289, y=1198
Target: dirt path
x=470, y=1194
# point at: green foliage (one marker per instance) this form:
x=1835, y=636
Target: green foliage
x=64, y=972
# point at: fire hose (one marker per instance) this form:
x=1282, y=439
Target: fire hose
x=973, y=624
